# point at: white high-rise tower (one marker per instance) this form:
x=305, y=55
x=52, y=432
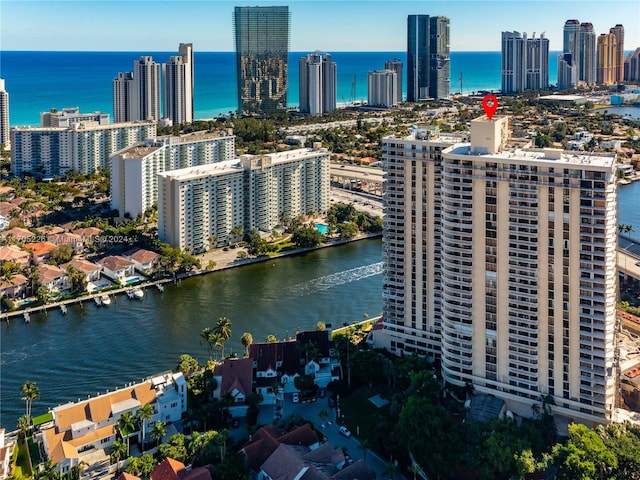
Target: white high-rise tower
x=146, y=77
x=318, y=83
x=5, y=139
x=501, y=262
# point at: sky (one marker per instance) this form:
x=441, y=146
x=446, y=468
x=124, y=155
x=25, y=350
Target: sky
x=329, y=25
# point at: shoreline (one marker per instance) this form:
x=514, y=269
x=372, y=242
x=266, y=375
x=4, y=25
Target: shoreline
x=233, y=263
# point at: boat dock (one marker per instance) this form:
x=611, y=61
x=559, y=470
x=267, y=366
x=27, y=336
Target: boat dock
x=95, y=297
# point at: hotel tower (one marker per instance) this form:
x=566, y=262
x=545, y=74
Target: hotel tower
x=318, y=83
x=262, y=50
x=501, y=262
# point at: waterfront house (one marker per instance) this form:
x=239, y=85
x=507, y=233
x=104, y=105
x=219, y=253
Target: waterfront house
x=20, y=235
x=315, y=356
x=117, y=267
x=144, y=261
x=90, y=269
x=234, y=375
x=6, y=451
x=14, y=287
x=7, y=193
x=49, y=230
x=40, y=251
x=52, y=277
x=11, y=253
x=274, y=363
x=79, y=429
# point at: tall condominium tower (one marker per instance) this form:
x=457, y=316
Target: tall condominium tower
x=632, y=66
x=146, y=77
x=5, y=138
x=262, y=49
x=396, y=66
x=502, y=263
x=587, y=55
x=525, y=62
x=428, y=68
x=177, y=76
x=123, y=97
x=568, y=61
x=318, y=83
x=618, y=32
x=439, y=61
x=383, y=88
x=567, y=71
x=607, y=67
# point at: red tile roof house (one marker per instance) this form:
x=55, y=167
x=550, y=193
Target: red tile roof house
x=274, y=362
x=52, y=277
x=6, y=449
x=88, y=235
x=11, y=253
x=71, y=239
x=21, y=235
x=274, y=454
x=15, y=287
x=235, y=375
x=40, y=251
x=145, y=261
x=116, y=267
x=170, y=469
x=90, y=269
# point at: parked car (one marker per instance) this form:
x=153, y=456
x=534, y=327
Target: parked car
x=295, y=398
x=322, y=392
x=332, y=402
x=344, y=431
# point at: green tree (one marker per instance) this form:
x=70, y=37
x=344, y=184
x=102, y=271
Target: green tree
x=118, y=452
x=30, y=392
x=323, y=414
x=271, y=339
x=583, y=456
x=144, y=416
x=126, y=425
x=321, y=326
x=77, y=279
x=307, y=237
x=174, y=448
x=348, y=230
x=247, y=340
x=62, y=254
x=187, y=365
x=222, y=328
x=207, y=337
x=158, y=431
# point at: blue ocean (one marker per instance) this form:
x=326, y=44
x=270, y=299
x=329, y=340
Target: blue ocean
x=39, y=81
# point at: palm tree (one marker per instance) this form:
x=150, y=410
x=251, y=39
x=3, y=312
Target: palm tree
x=158, y=431
x=126, y=424
x=223, y=328
x=206, y=337
x=247, y=340
x=221, y=439
x=323, y=414
x=145, y=414
x=217, y=341
x=31, y=392
x=118, y=453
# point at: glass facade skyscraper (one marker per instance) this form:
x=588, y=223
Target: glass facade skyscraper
x=262, y=49
x=428, y=69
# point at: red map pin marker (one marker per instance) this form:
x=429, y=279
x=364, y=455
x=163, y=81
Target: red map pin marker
x=490, y=105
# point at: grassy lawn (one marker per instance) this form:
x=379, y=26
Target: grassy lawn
x=23, y=468
x=33, y=451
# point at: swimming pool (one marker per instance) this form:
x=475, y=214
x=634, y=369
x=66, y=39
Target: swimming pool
x=322, y=228
x=131, y=280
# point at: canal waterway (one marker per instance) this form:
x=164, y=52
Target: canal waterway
x=93, y=349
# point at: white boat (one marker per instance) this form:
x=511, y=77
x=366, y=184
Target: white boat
x=129, y=293
x=106, y=300
x=63, y=309
x=138, y=293
x=27, y=317
x=98, y=301
x=160, y=287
